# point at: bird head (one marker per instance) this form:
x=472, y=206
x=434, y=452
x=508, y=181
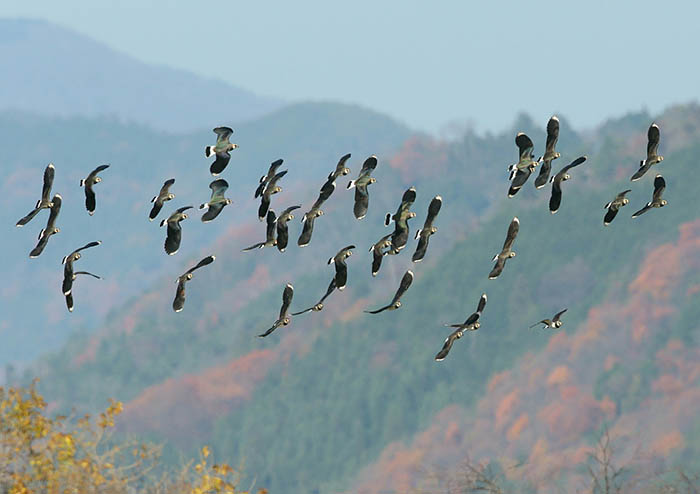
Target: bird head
x=320, y=212
x=286, y=321
x=625, y=201
x=55, y=230
x=346, y=171
x=477, y=325
x=566, y=176
x=189, y=276
x=511, y=254
x=318, y=307
x=228, y=201
x=348, y=253
x=556, y=155
x=412, y=214
x=171, y=196
x=372, y=180
x=433, y=229
x=663, y=202
x=397, y=304
x=184, y=216
x=233, y=146
x=77, y=256
x=276, y=189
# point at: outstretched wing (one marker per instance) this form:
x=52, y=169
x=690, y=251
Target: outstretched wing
x=173, y=238
x=378, y=310
x=94, y=172
x=90, y=202
x=341, y=274
x=422, y=248
x=220, y=163
x=543, y=176
x=574, y=163
x=179, y=301
x=659, y=187
x=29, y=217
x=269, y=331
x=306, y=231
x=271, y=226
x=552, y=135
x=609, y=216
x=325, y=193
x=369, y=165
x=340, y=167
x=642, y=211
x=513, y=229
x=520, y=178
x=287, y=296
x=525, y=146
x=446, y=347
x=361, y=201
x=222, y=134
x=264, y=206
x=555, y=198
x=558, y=315
x=282, y=236
x=218, y=189
x=49, y=173
x=497, y=268
x=204, y=262
x=213, y=211
x=403, y=286
x=433, y=210
x=653, y=136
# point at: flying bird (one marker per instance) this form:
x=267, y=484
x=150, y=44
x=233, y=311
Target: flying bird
x=550, y=153
x=471, y=324
x=656, y=201
x=562, y=176
x=652, y=158
x=51, y=228
x=220, y=149
x=88, y=183
x=68, y=274
x=399, y=237
x=69, y=295
x=340, y=168
x=271, y=188
x=553, y=323
x=396, y=301
x=378, y=252
x=614, y=206
x=174, y=235
x=265, y=179
x=270, y=240
x=163, y=196
x=319, y=305
x=45, y=201
x=217, y=202
x=506, y=253
x=310, y=216
x=282, y=229
x=179, y=301
x=520, y=171
x=284, y=317
x=341, y=268
x=360, y=184
x=423, y=235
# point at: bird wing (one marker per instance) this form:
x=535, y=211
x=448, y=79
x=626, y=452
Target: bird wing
x=446, y=347
x=552, y=135
x=543, y=321
x=340, y=167
x=369, y=165
x=622, y=194
x=653, y=136
x=213, y=211
x=331, y=287
x=282, y=235
x=157, y=206
x=222, y=134
x=67, y=284
x=57, y=200
x=166, y=187
x=269, y=331
x=218, y=189
x=289, y=210
x=181, y=210
x=94, y=172
x=173, y=238
x=520, y=178
x=642, y=211
x=341, y=274
x=273, y=181
x=497, y=268
x=325, y=193
x=525, y=146
x=659, y=187
x=574, y=163
x=86, y=246
x=287, y=296
x=403, y=286
x=513, y=229
x=422, y=248
x=271, y=226
x=361, y=201
x=90, y=202
x=609, y=216
x=476, y=315
x=558, y=315
x=85, y=272
x=264, y=206
x=39, y=248
x=49, y=173
x=204, y=262
x=220, y=163
x=376, y=261
x=179, y=301
x=69, y=302
x=433, y=210
x=273, y=168
x=306, y=231
x=555, y=198
x=543, y=176
x=378, y=310
x=26, y=219
x=261, y=188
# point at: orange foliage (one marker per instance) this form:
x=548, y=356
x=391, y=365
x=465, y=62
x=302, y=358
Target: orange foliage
x=560, y=375
x=505, y=409
x=663, y=445
x=667, y=384
x=517, y=427
x=419, y=156
x=497, y=379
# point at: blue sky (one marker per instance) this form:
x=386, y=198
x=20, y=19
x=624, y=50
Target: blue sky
x=427, y=64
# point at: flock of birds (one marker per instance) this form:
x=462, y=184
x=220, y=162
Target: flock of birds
x=277, y=233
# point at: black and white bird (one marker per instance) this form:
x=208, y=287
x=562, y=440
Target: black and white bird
x=220, y=149
x=506, y=253
x=163, y=196
x=423, y=235
x=562, y=176
x=179, y=301
x=471, y=324
x=379, y=250
x=282, y=228
x=271, y=188
x=614, y=206
x=310, y=216
x=265, y=179
x=396, y=301
x=653, y=136
x=553, y=323
x=521, y=171
x=657, y=201
x=270, y=240
x=174, y=234
x=218, y=200
x=399, y=238
x=550, y=153
x=360, y=184
x=284, y=317
x=88, y=184
x=68, y=273
x=340, y=168
x=70, y=303
x=50, y=229
x=319, y=306
x=45, y=201
x=341, y=268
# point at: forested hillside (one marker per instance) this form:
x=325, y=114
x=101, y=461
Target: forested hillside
x=344, y=400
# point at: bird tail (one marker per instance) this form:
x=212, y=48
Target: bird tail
x=208, y=151
x=163, y=222
x=63, y=261
x=387, y=219
x=351, y=184
x=41, y=233
x=494, y=258
x=82, y=182
x=330, y=261
x=551, y=179
x=418, y=234
x=202, y=206
x=154, y=198
x=607, y=205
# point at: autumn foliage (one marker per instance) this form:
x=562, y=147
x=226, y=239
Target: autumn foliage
x=39, y=454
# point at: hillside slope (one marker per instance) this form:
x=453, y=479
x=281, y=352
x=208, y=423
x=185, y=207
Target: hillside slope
x=53, y=71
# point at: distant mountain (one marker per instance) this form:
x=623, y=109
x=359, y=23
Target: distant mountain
x=53, y=71
x=310, y=137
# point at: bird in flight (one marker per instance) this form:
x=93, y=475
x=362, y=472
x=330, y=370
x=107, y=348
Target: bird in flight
x=220, y=149
x=45, y=201
x=657, y=200
x=471, y=324
x=396, y=301
x=653, y=137
x=506, y=253
x=284, y=317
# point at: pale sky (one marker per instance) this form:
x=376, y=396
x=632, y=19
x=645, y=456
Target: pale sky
x=424, y=63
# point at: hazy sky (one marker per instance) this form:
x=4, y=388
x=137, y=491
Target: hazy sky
x=425, y=63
